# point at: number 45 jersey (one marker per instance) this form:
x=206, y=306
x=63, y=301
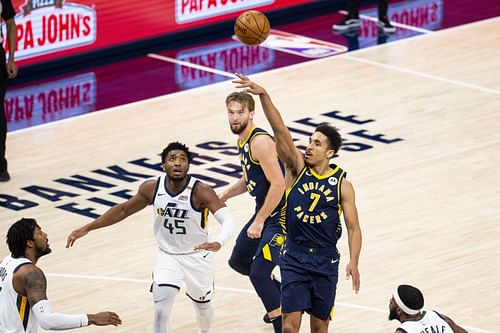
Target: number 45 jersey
x=178, y=226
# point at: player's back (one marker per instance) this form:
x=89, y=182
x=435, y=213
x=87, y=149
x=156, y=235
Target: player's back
x=430, y=322
x=15, y=311
x=178, y=226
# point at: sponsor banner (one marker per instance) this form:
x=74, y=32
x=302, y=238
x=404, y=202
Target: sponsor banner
x=54, y=29
x=47, y=102
x=230, y=57
x=187, y=10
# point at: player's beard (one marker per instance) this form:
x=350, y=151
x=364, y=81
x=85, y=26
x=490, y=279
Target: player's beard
x=42, y=252
x=393, y=315
x=240, y=128
x=177, y=179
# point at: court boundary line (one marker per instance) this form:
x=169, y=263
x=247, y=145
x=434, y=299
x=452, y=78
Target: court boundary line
x=423, y=74
x=236, y=290
x=152, y=99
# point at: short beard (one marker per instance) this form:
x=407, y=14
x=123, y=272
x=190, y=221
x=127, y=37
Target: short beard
x=393, y=315
x=44, y=252
x=177, y=179
x=240, y=129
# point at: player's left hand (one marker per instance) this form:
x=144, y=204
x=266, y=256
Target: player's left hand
x=208, y=246
x=11, y=69
x=352, y=271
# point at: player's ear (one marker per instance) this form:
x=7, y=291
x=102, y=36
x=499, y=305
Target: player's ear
x=330, y=153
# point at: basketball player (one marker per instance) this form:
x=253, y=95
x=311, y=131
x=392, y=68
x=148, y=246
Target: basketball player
x=8, y=70
x=181, y=204
x=317, y=193
x=23, y=287
x=406, y=306
x=352, y=22
x=258, y=245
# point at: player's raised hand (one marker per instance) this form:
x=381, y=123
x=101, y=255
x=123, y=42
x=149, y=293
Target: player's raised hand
x=249, y=86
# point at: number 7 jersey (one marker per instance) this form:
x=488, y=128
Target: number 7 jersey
x=178, y=226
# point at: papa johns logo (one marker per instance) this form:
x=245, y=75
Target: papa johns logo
x=47, y=26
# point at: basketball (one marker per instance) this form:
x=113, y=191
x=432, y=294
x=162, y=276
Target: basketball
x=252, y=27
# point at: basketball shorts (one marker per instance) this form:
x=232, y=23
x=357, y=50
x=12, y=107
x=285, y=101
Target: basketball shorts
x=268, y=246
x=194, y=270
x=309, y=282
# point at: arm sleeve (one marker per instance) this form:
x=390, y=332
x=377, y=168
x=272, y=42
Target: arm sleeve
x=49, y=320
x=225, y=219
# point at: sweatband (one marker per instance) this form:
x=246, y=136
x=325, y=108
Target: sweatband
x=402, y=305
x=225, y=219
x=57, y=321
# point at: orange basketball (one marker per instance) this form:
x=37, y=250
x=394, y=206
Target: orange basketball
x=252, y=27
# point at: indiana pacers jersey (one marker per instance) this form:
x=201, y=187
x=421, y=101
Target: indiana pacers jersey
x=178, y=226
x=430, y=322
x=255, y=179
x=11, y=303
x=312, y=209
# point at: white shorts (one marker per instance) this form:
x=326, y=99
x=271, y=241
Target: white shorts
x=195, y=270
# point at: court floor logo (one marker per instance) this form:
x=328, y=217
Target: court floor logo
x=301, y=45
x=47, y=26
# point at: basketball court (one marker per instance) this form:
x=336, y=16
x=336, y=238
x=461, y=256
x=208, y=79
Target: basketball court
x=422, y=134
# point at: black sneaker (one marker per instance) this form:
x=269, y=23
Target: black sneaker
x=4, y=176
x=349, y=23
x=266, y=319
x=386, y=26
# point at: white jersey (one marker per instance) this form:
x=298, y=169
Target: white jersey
x=16, y=315
x=431, y=322
x=178, y=226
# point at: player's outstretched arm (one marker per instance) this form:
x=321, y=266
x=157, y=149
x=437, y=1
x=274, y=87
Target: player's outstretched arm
x=31, y=281
x=287, y=152
x=117, y=213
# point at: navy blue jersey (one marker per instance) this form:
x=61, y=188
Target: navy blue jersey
x=312, y=211
x=255, y=179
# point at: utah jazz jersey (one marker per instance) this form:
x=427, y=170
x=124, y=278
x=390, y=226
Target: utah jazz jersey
x=430, y=322
x=255, y=179
x=178, y=226
x=313, y=210
x=11, y=302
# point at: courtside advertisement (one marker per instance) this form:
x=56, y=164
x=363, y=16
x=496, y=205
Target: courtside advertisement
x=53, y=29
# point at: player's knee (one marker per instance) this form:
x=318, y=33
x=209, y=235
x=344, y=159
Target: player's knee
x=240, y=263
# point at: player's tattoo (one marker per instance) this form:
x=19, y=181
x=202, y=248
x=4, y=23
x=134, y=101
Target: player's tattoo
x=36, y=286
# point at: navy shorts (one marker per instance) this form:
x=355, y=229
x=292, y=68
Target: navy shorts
x=268, y=246
x=309, y=282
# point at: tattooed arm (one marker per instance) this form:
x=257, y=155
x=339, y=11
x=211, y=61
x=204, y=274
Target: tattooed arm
x=29, y=281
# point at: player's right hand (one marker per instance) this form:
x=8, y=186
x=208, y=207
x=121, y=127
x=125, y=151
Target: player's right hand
x=75, y=234
x=104, y=318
